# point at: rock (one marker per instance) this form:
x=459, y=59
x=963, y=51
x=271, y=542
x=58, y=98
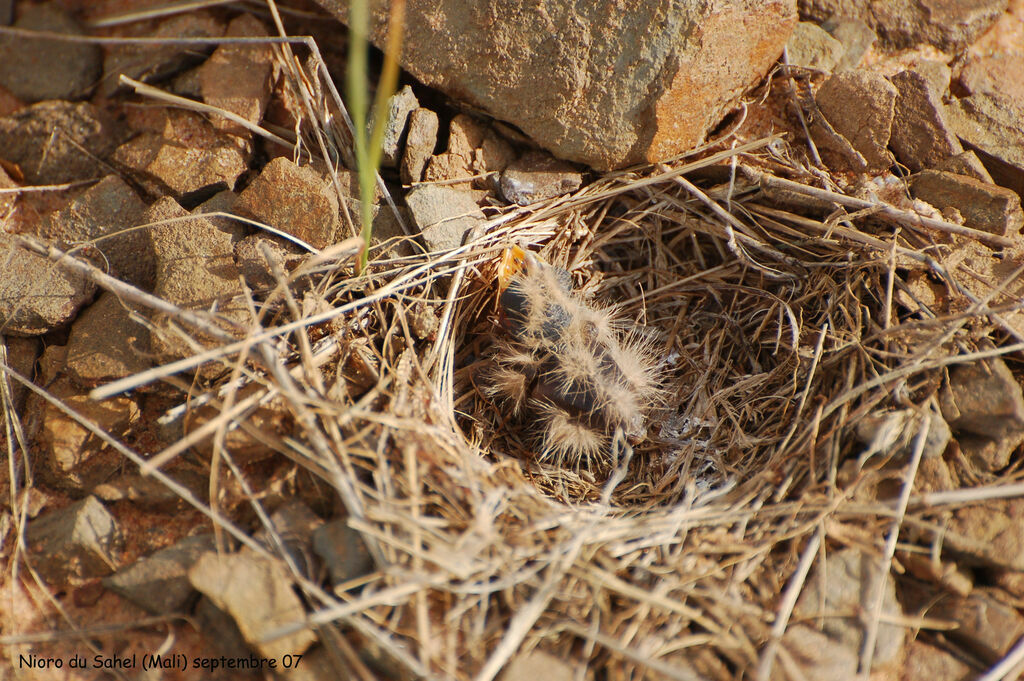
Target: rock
x=965, y=163
x=536, y=177
x=984, y=405
x=947, y=24
x=446, y=168
x=812, y=47
x=983, y=206
x=293, y=199
x=988, y=119
x=893, y=434
x=36, y=294
x=253, y=263
x=603, y=84
x=257, y=593
x=920, y=136
x=37, y=68
x=107, y=207
x=146, y=492
x=343, y=551
x=419, y=144
x=74, y=543
x=159, y=583
x=189, y=159
x=401, y=104
x=850, y=582
x=148, y=63
x=195, y=269
x=238, y=78
x=21, y=357
x=250, y=442
x=295, y=525
x=73, y=457
x=985, y=625
x=817, y=655
x=994, y=531
x=106, y=344
x=538, y=664
x=856, y=37
x=930, y=663
x=7, y=201
x=443, y=215
x=220, y=630
x=859, y=105
x=56, y=142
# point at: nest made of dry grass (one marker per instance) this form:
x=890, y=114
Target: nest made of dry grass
x=778, y=327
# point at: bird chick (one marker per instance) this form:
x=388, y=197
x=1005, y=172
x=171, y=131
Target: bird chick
x=573, y=367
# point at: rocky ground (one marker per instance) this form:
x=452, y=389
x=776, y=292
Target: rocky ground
x=898, y=127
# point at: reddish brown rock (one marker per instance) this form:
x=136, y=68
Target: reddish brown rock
x=966, y=163
x=106, y=343
x=74, y=543
x=237, y=78
x=985, y=625
x=604, y=84
x=297, y=200
x=419, y=144
x=983, y=206
x=994, y=532
x=930, y=663
x=859, y=106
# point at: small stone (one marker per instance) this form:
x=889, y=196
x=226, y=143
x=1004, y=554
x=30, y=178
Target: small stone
x=538, y=664
x=107, y=207
x=7, y=201
x=159, y=583
x=250, y=442
x=859, y=105
x=238, y=78
x=58, y=141
x=920, y=136
x=419, y=144
x=931, y=663
x=148, y=63
x=189, y=159
x=73, y=457
x=21, y=357
x=985, y=625
x=36, y=294
x=443, y=215
x=984, y=206
x=293, y=199
x=850, y=582
x=257, y=593
x=195, y=269
x=400, y=105
x=537, y=176
x=856, y=37
x=343, y=551
x=448, y=168
x=146, y=492
x=966, y=163
x=812, y=47
x=818, y=655
x=295, y=525
x=994, y=530
x=984, y=400
x=220, y=630
x=253, y=263
x=74, y=543
x=37, y=69
x=106, y=344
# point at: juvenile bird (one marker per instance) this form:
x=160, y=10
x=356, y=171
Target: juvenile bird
x=575, y=368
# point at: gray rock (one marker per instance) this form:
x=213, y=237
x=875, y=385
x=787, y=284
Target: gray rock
x=343, y=551
x=856, y=37
x=443, y=215
x=848, y=583
x=983, y=206
x=147, y=63
x=419, y=144
x=37, y=69
x=58, y=141
x=859, y=105
x=257, y=594
x=401, y=104
x=812, y=47
x=295, y=525
x=106, y=344
x=985, y=407
x=297, y=200
x=220, y=630
x=107, y=207
x=36, y=294
x=603, y=83
x=536, y=177
x=920, y=136
x=159, y=583
x=74, y=543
